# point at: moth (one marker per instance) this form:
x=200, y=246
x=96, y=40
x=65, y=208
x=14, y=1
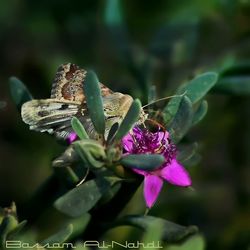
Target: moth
x=67, y=99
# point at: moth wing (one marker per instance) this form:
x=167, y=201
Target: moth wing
x=50, y=115
x=68, y=84
x=116, y=107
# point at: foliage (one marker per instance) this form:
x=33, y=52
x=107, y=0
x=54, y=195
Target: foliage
x=209, y=76
x=97, y=157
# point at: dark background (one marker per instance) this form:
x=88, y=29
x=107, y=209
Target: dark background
x=161, y=42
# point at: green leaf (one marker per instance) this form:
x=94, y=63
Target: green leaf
x=171, y=232
x=91, y=152
x=79, y=129
x=94, y=101
x=67, y=158
x=193, y=160
x=19, y=92
x=197, y=88
x=110, y=194
x=17, y=229
x=113, y=15
x=139, y=63
x=235, y=85
x=130, y=119
x=79, y=224
x=112, y=132
x=143, y=161
x=200, y=112
x=9, y=223
x=176, y=40
x=187, y=152
x=84, y=197
x=182, y=120
x=195, y=242
x=171, y=109
x=152, y=94
x=154, y=233
x=59, y=237
x=232, y=67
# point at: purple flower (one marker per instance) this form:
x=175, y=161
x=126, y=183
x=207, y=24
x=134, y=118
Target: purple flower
x=143, y=141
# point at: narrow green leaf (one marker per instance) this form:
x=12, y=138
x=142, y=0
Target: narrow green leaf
x=19, y=92
x=154, y=234
x=79, y=224
x=130, y=119
x=177, y=40
x=195, y=242
x=84, y=197
x=143, y=161
x=232, y=67
x=197, y=88
x=67, y=158
x=70, y=175
x=113, y=15
x=91, y=152
x=140, y=65
x=187, y=152
x=94, y=101
x=171, y=232
x=152, y=94
x=110, y=194
x=182, y=120
x=79, y=129
x=112, y=132
x=171, y=109
x=17, y=229
x=200, y=112
x=60, y=236
x=9, y=223
x=235, y=85
x=193, y=160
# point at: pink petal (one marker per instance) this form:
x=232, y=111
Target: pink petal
x=72, y=137
x=128, y=142
x=176, y=174
x=152, y=188
x=139, y=171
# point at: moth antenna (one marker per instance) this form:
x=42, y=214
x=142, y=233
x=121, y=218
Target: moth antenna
x=164, y=98
x=154, y=111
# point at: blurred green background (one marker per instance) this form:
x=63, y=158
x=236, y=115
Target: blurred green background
x=152, y=42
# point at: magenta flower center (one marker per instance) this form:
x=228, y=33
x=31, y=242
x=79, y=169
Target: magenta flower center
x=145, y=141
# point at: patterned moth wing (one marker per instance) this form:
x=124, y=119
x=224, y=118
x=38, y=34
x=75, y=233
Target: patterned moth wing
x=54, y=115
x=116, y=107
x=68, y=84
x=67, y=100
x=50, y=115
